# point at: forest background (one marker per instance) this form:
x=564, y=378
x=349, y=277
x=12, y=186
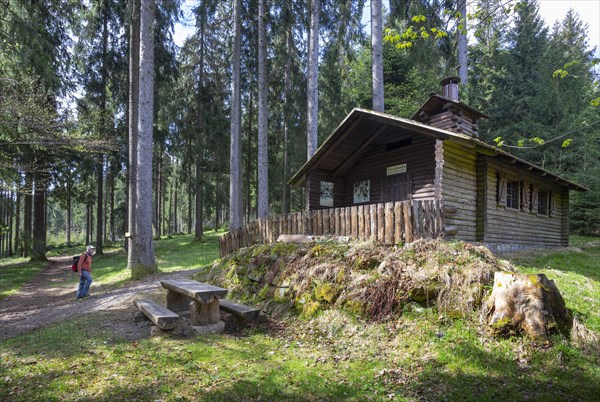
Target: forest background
x=64, y=104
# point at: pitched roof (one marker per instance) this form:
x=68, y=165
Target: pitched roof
x=349, y=141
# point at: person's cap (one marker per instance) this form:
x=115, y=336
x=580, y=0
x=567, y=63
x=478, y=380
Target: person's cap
x=90, y=247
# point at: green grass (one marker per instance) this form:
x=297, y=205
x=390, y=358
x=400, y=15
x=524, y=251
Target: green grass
x=419, y=356
x=15, y=272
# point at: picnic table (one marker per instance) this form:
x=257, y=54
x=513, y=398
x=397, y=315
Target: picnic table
x=200, y=298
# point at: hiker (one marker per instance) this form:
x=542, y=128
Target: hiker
x=84, y=270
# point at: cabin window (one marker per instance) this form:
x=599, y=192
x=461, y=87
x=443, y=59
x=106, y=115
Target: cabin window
x=507, y=192
x=326, y=196
x=512, y=194
x=542, y=205
x=362, y=191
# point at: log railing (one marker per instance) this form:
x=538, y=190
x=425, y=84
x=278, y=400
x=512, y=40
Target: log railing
x=387, y=223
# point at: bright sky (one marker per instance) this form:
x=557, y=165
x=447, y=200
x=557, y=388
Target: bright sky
x=550, y=10
x=588, y=10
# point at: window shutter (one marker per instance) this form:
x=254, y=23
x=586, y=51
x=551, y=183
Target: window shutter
x=525, y=196
x=534, y=199
x=551, y=197
x=501, y=191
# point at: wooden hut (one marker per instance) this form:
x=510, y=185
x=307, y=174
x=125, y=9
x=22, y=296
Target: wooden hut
x=488, y=194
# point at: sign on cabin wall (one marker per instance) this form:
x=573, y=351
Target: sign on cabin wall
x=362, y=191
x=396, y=169
x=326, y=198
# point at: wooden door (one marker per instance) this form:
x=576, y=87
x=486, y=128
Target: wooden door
x=397, y=187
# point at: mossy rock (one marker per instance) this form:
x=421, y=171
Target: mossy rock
x=327, y=292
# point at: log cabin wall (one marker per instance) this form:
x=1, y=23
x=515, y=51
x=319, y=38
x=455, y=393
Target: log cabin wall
x=459, y=189
x=393, y=148
x=420, y=168
x=522, y=225
x=314, y=184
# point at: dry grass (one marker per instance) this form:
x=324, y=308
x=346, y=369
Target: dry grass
x=370, y=280
x=585, y=338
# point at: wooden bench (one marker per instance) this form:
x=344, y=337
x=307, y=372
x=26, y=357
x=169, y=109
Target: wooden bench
x=240, y=311
x=200, y=298
x=159, y=315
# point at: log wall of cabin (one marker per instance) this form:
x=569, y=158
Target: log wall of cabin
x=314, y=184
x=518, y=226
x=459, y=189
x=420, y=164
x=419, y=157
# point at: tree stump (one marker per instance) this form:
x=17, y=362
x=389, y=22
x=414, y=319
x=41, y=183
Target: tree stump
x=526, y=303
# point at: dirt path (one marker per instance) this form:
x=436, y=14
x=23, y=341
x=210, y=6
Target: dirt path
x=49, y=297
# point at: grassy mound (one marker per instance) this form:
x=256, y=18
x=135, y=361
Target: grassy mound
x=365, y=279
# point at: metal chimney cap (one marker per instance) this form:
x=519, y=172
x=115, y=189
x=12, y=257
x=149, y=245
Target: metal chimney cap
x=450, y=80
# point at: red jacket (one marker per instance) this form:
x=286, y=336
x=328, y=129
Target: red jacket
x=85, y=263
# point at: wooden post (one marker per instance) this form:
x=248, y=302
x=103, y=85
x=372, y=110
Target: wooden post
x=373, y=221
x=389, y=223
x=408, y=229
x=332, y=221
x=361, y=223
x=398, y=223
x=416, y=219
x=381, y=222
x=367, y=221
x=349, y=222
x=355, y=223
x=343, y=231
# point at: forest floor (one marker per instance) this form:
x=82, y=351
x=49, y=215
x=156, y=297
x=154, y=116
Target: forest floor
x=49, y=297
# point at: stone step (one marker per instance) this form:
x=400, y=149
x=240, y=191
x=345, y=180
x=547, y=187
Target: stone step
x=159, y=315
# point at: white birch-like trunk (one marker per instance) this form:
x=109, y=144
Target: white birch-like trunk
x=235, y=156
x=377, y=55
x=143, y=241
x=313, y=80
x=462, y=44
x=263, y=125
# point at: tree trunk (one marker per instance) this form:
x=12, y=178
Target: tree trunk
x=462, y=43
x=528, y=303
x=286, y=112
x=18, y=247
x=263, y=124
x=39, y=221
x=235, y=161
x=134, y=62
x=103, y=131
x=190, y=193
x=377, y=55
x=313, y=81
x=175, y=226
x=100, y=207
x=69, y=213
x=27, y=215
x=10, y=212
x=198, y=228
x=249, y=158
x=143, y=241
x=112, y=228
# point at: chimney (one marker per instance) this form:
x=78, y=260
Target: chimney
x=450, y=88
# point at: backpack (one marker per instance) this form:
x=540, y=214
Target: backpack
x=75, y=262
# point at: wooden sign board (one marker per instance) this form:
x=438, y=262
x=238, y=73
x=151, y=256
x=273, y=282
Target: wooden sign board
x=396, y=169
